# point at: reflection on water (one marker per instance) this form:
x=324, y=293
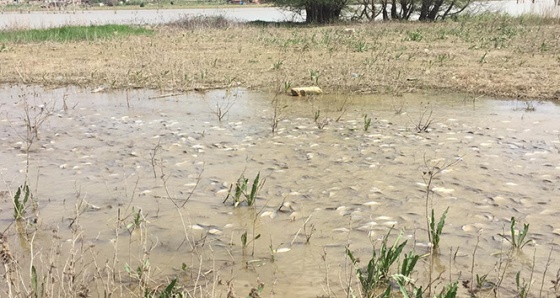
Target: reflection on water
x=339, y=186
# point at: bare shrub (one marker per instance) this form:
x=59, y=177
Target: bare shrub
x=199, y=22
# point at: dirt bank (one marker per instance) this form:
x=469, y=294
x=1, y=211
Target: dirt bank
x=497, y=56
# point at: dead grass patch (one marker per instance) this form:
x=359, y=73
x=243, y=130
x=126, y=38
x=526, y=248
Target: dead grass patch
x=497, y=56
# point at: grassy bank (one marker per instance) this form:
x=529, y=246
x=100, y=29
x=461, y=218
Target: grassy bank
x=71, y=34
x=490, y=55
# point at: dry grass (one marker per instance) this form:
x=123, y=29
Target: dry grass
x=491, y=55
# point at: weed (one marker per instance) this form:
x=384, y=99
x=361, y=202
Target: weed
x=278, y=64
x=137, y=220
x=170, y=291
x=435, y=231
x=361, y=46
x=377, y=271
x=424, y=122
x=139, y=272
x=556, y=283
x=450, y=291
x=367, y=122
x=245, y=242
x=287, y=86
x=440, y=58
x=521, y=286
x=483, y=58
x=277, y=112
x=224, y=106
x=414, y=36
x=321, y=123
x=517, y=238
x=20, y=203
x=402, y=282
x=240, y=194
x=314, y=76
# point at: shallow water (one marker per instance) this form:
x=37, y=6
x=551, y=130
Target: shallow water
x=341, y=186
x=43, y=19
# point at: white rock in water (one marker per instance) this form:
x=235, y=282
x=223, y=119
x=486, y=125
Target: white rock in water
x=197, y=227
x=390, y=223
x=443, y=190
x=342, y=230
x=270, y=214
x=383, y=218
x=375, y=190
x=214, y=232
x=368, y=226
x=283, y=250
x=371, y=203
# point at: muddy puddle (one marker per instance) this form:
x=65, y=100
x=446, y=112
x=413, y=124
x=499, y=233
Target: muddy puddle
x=102, y=162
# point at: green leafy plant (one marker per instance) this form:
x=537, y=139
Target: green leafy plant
x=245, y=241
x=409, y=263
x=402, y=282
x=361, y=46
x=137, y=220
x=170, y=291
x=414, y=36
x=450, y=291
x=138, y=273
x=377, y=271
x=21, y=198
x=522, y=286
x=287, y=86
x=277, y=65
x=435, y=230
x=314, y=76
x=240, y=194
x=517, y=238
x=367, y=122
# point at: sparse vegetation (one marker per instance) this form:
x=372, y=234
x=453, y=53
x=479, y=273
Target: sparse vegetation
x=379, y=56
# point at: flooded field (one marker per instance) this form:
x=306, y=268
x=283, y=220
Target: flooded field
x=138, y=179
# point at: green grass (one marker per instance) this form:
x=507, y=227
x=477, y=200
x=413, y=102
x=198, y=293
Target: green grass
x=72, y=33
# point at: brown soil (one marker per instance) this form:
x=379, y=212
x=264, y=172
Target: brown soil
x=503, y=57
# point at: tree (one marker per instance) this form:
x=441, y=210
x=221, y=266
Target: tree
x=316, y=11
x=425, y=10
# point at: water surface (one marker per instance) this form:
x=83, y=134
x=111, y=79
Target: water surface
x=104, y=156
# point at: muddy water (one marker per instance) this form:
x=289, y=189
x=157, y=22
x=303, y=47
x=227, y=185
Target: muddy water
x=104, y=156
x=45, y=19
